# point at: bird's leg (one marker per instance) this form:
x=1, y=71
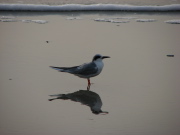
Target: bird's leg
x=89, y=84
x=88, y=87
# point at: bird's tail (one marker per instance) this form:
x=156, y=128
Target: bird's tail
x=65, y=69
x=58, y=68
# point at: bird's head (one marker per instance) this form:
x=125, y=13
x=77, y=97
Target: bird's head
x=98, y=56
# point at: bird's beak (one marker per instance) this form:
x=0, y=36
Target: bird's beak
x=105, y=57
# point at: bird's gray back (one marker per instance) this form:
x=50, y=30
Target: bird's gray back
x=87, y=69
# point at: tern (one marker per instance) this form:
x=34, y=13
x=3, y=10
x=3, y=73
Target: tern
x=86, y=70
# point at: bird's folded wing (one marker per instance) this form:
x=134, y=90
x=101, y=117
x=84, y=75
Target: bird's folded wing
x=87, y=69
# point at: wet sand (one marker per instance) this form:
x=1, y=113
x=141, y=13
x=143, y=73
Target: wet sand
x=139, y=85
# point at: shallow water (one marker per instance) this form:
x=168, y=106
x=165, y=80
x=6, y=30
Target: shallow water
x=139, y=85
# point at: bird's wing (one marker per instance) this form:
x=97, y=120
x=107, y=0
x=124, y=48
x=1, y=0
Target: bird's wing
x=87, y=69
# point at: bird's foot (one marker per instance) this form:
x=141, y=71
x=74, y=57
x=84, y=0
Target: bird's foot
x=88, y=87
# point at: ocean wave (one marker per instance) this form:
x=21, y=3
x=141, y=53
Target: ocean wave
x=93, y=7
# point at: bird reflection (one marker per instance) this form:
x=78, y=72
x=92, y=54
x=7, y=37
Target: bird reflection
x=85, y=97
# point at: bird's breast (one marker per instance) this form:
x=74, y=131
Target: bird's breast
x=99, y=65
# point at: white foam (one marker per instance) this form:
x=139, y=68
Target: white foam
x=128, y=18
x=102, y=20
x=73, y=18
x=7, y=17
x=145, y=20
x=40, y=21
x=110, y=20
x=173, y=21
x=35, y=21
x=115, y=21
x=92, y=7
x=8, y=20
x=26, y=21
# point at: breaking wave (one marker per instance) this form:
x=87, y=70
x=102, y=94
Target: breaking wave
x=93, y=7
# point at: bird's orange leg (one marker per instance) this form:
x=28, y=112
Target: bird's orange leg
x=89, y=84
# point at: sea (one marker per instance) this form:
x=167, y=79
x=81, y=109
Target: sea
x=90, y=5
x=137, y=92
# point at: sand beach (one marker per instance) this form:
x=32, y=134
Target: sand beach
x=139, y=85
